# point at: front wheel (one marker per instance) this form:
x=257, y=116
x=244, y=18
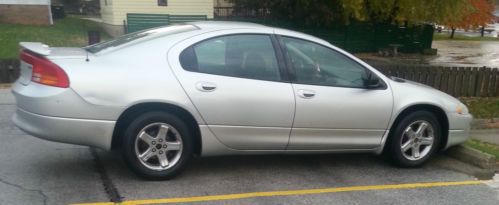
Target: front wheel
x=415, y=139
x=157, y=145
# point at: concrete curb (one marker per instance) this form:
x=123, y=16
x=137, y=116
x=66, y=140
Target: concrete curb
x=473, y=157
x=486, y=135
x=5, y=85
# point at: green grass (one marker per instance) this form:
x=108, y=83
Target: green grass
x=482, y=107
x=457, y=37
x=484, y=147
x=67, y=32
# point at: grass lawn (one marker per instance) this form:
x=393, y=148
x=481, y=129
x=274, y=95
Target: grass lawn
x=484, y=147
x=483, y=107
x=67, y=32
x=457, y=37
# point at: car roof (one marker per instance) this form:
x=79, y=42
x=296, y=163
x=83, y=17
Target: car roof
x=225, y=25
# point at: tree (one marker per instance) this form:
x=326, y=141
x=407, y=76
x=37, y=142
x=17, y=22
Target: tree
x=477, y=15
x=434, y=11
x=326, y=12
x=307, y=12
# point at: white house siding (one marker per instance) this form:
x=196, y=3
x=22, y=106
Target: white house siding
x=115, y=12
x=106, y=11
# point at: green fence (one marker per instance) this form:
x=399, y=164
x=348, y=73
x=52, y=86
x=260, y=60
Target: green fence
x=366, y=37
x=354, y=37
x=137, y=22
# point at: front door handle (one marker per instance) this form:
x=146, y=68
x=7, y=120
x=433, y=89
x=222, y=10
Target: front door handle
x=206, y=86
x=307, y=94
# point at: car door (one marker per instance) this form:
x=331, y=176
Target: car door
x=235, y=82
x=334, y=110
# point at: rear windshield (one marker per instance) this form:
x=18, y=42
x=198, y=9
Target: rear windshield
x=128, y=38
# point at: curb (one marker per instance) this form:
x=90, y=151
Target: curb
x=5, y=85
x=473, y=157
x=490, y=136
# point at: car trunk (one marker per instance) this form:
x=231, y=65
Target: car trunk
x=39, y=51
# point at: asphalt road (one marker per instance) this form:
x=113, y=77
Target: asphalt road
x=33, y=171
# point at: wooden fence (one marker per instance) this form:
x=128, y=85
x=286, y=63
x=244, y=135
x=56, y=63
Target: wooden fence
x=456, y=81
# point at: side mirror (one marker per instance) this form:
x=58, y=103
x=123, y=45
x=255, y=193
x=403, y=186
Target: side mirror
x=371, y=82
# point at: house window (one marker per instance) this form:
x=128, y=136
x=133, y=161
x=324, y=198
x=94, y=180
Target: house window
x=162, y=2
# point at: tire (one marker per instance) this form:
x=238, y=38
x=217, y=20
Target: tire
x=419, y=146
x=152, y=154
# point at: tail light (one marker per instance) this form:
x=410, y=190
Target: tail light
x=44, y=71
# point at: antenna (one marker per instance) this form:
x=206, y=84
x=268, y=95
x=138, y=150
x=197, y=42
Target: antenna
x=86, y=59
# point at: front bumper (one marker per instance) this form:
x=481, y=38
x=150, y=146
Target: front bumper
x=459, y=129
x=94, y=133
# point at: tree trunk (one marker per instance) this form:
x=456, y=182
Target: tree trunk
x=453, y=30
x=482, y=31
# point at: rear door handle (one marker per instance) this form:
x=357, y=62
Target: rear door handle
x=206, y=86
x=307, y=94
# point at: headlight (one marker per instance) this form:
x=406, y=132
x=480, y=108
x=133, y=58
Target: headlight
x=461, y=109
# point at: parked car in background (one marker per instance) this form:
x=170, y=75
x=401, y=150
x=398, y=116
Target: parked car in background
x=490, y=28
x=222, y=88
x=439, y=28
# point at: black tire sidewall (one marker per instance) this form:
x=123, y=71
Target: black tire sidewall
x=131, y=133
x=396, y=137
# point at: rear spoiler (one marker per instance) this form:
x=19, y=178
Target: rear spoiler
x=36, y=47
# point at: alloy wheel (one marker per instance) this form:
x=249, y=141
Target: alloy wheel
x=158, y=146
x=417, y=140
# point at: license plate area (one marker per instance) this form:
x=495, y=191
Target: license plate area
x=26, y=72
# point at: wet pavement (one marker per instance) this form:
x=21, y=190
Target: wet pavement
x=465, y=53
x=459, y=53
x=450, y=53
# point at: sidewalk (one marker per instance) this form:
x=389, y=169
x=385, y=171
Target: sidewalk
x=486, y=135
x=6, y=97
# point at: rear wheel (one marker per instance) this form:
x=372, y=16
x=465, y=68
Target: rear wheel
x=157, y=145
x=415, y=139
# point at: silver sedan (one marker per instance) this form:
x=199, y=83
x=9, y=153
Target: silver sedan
x=223, y=88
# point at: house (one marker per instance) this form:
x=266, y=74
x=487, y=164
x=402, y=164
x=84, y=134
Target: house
x=114, y=12
x=25, y=12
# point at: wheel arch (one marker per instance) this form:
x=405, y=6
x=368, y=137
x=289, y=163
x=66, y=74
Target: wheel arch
x=439, y=113
x=132, y=112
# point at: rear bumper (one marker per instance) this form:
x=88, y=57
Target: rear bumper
x=95, y=133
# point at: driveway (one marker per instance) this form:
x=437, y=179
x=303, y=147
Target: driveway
x=34, y=171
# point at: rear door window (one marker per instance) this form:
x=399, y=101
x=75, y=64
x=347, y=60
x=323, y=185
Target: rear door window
x=245, y=56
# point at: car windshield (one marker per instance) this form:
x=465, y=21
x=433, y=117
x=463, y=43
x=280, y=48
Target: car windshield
x=128, y=38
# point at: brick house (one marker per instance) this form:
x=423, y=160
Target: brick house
x=35, y=12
